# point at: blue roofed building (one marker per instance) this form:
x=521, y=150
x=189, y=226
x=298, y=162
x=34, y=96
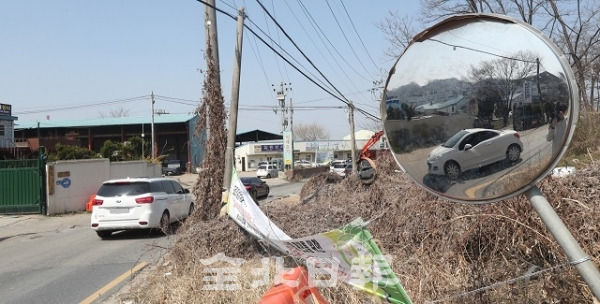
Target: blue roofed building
x=175, y=135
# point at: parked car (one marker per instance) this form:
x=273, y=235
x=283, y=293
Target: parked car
x=302, y=164
x=347, y=170
x=173, y=167
x=334, y=162
x=474, y=148
x=267, y=171
x=339, y=167
x=139, y=203
x=256, y=187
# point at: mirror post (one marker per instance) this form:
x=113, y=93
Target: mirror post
x=565, y=239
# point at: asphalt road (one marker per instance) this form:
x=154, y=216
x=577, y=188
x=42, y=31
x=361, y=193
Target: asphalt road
x=60, y=259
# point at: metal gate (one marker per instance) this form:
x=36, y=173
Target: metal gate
x=22, y=186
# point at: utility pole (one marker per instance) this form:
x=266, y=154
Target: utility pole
x=143, y=141
x=352, y=139
x=212, y=40
x=233, y=107
x=288, y=137
x=212, y=47
x=152, y=128
x=291, y=116
x=281, y=99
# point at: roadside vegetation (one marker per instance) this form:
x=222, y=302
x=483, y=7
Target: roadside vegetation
x=442, y=252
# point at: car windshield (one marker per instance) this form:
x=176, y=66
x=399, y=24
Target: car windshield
x=454, y=139
x=125, y=188
x=262, y=167
x=339, y=165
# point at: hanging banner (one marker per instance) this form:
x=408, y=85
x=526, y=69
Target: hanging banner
x=288, y=150
x=348, y=254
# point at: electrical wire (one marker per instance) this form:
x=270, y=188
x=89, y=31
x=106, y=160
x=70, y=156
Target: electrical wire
x=347, y=40
x=356, y=32
x=82, y=106
x=342, y=98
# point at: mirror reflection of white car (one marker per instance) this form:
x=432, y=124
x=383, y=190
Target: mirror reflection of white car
x=267, y=171
x=303, y=164
x=474, y=148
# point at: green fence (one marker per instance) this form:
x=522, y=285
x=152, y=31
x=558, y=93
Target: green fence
x=21, y=186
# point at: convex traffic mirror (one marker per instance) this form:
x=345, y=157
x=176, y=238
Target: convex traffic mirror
x=479, y=108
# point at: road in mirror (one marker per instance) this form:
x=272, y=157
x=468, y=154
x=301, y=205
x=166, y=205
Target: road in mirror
x=478, y=108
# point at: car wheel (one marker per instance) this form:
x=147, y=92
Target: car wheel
x=513, y=153
x=267, y=192
x=452, y=170
x=191, y=210
x=253, y=194
x=103, y=234
x=269, y=175
x=165, y=223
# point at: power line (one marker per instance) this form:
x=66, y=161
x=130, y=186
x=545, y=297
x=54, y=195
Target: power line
x=342, y=98
x=301, y=52
x=346, y=38
x=81, y=106
x=357, y=35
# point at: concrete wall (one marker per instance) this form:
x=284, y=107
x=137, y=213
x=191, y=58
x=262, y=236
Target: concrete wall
x=71, y=183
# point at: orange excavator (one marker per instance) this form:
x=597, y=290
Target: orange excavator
x=365, y=165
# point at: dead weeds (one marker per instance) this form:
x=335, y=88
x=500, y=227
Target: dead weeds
x=440, y=249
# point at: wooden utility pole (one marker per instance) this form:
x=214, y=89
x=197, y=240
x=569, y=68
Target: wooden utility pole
x=233, y=108
x=212, y=47
x=352, y=138
x=212, y=41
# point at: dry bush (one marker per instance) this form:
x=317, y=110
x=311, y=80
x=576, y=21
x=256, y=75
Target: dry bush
x=439, y=249
x=584, y=148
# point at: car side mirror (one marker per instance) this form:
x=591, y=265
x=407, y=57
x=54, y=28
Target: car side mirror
x=468, y=147
x=185, y=190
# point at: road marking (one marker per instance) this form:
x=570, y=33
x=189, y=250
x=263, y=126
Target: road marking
x=113, y=283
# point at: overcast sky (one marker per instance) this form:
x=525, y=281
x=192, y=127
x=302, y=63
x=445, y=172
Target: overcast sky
x=72, y=59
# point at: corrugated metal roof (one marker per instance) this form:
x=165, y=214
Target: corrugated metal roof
x=110, y=121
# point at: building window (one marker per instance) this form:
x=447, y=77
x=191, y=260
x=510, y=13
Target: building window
x=2, y=130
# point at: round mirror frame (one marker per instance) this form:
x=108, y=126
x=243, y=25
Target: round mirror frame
x=419, y=116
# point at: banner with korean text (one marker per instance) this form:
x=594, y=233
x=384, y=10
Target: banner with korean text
x=348, y=254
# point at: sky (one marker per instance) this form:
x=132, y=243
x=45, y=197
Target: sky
x=73, y=59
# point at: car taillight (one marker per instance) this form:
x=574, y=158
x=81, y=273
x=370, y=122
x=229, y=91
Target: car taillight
x=517, y=135
x=248, y=187
x=97, y=202
x=145, y=200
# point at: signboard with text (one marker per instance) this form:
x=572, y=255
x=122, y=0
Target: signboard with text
x=5, y=110
x=288, y=148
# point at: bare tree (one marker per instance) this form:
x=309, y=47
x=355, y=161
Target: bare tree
x=398, y=32
x=309, y=132
x=508, y=73
x=579, y=37
x=113, y=113
x=573, y=25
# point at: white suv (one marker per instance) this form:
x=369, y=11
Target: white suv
x=139, y=203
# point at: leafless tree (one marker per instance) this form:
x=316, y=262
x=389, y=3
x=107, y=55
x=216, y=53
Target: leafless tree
x=113, y=113
x=309, y=132
x=574, y=25
x=578, y=32
x=509, y=72
x=398, y=32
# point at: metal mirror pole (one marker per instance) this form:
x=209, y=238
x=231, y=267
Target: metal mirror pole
x=565, y=239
